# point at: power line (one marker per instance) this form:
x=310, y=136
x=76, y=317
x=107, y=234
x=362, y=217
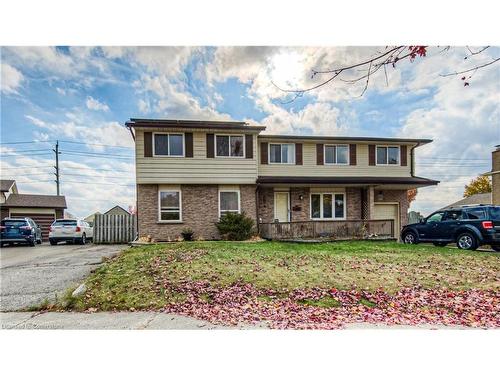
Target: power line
x=96, y=144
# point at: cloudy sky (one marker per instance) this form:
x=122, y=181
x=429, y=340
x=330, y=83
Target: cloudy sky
x=83, y=96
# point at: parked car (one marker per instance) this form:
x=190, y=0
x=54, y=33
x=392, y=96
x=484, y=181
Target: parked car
x=70, y=230
x=23, y=230
x=467, y=226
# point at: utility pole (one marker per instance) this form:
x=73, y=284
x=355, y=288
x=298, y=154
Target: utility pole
x=56, y=151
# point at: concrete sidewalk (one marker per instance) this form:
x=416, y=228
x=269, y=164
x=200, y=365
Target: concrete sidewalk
x=146, y=320
x=105, y=320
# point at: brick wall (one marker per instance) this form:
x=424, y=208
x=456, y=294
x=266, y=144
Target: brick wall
x=266, y=205
x=200, y=210
x=399, y=196
x=303, y=214
x=353, y=208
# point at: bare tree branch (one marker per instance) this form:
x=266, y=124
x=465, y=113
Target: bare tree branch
x=471, y=69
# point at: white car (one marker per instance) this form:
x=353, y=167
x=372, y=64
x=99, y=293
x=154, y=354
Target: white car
x=70, y=230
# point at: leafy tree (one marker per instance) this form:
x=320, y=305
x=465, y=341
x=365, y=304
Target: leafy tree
x=481, y=184
x=412, y=194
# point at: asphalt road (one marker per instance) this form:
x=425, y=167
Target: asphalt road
x=29, y=275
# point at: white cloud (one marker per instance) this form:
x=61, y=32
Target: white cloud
x=108, y=133
x=464, y=123
x=96, y=105
x=11, y=79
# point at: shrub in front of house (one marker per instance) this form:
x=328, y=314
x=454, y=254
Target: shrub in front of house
x=187, y=234
x=235, y=227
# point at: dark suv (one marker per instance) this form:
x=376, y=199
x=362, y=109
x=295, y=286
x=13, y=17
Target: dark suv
x=20, y=231
x=468, y=226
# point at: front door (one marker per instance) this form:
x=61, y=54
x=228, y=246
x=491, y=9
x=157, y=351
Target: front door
x=281, y=207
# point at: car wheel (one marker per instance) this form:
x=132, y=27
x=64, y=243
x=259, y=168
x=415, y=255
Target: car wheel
x=32, y=243
x=83, y=241
x=440, y=244
x=467, y=241
x=495, y=247
x=410, y=238
x=52, y=242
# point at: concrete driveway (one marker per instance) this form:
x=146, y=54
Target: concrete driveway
x=29, y=275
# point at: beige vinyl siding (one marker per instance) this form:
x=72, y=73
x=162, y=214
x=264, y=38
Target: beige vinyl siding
x=309, y=168
x=196, y=170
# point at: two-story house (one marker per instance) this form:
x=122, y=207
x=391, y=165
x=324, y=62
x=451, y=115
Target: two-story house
x=189, y=173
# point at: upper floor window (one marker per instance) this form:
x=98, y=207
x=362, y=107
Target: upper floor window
x=387, y=155
x=283, y=153
x=229, y=146
x=168, y=144
x=336, y=154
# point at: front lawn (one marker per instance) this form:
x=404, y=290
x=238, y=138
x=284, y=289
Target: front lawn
x=301, y=285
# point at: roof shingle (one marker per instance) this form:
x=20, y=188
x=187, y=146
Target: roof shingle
x=6, y=184
x=35, y=200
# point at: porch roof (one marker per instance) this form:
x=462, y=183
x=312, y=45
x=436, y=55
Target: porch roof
x=388, y=182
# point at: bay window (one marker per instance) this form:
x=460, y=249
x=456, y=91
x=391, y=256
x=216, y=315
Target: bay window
x=282, y=153
x=169, y=203
x=327, y=206
x=387, y=155
x=229, y=145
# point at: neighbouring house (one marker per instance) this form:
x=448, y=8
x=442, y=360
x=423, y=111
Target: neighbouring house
x=495, y=176
x=481, y=198
x=90, y=219
x=189, y=173
x=7, y=187
x=43, y=209
x=117, y=210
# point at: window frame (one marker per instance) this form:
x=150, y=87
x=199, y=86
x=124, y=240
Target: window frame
x=333, y=218
x=398, y=164
x=280, y=144
x=220, y=201
x=229, y=156
x=336, y=158
x=169, y=156
x=170, y=210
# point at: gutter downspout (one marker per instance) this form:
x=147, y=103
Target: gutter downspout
x=257, y=222
x=136, y=191
x=412, y=161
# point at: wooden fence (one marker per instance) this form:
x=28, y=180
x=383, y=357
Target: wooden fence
x=338, y=230
x=114, y=228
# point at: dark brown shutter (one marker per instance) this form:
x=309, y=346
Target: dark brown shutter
x=188, y=139
x=148, y=144
x=352, y=154
x=210, y=145
x=371, y=154
x=404, y=156
x=249, y=146
x=263, y=152
x=298, y=153
x=319, y=154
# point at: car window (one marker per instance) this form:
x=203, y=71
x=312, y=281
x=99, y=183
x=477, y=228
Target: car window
x=452, y=215
x=495, y=213
x=13, y=223
x=476, y=213
x=435, y=217
x=60, y=223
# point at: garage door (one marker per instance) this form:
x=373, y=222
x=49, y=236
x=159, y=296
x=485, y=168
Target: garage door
x=44, y=220
x=388, y=211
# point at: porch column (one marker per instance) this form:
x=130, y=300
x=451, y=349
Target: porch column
x=371, y=202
